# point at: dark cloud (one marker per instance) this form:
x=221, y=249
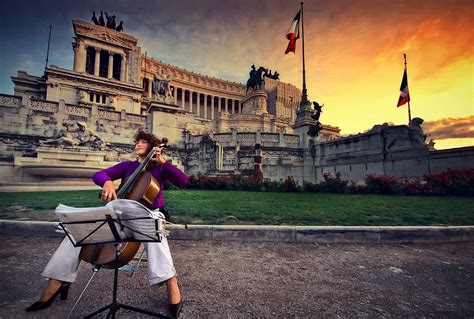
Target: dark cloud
x=450, y=128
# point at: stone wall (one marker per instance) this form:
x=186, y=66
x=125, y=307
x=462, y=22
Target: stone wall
x=385, y=150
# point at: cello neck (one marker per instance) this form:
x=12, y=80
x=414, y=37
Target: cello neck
x=127, y=186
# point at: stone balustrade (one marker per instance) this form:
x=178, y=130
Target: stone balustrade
x=69, y=109
x=109, y=115
x=252, y=138
x=45, y=106
x=78, y=110
x=135, y=118
x=10, y=100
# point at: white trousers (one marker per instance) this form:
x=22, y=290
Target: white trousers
x=64, y=263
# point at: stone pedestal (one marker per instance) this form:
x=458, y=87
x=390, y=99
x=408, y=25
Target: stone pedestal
x=255, y=103
x=303, y=122
x=61, y=164
x=164, y=122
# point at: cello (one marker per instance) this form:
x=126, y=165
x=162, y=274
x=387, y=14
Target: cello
x=140, y=186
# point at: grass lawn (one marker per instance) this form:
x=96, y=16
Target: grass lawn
x=238, y=207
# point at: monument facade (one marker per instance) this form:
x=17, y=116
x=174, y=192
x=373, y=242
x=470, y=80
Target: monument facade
x=59, y=128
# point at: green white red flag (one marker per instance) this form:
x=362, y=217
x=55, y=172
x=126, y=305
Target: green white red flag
x=404, y=93
x=293, y=33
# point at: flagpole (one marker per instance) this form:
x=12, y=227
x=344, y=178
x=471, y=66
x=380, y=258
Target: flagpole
x=49, y=41
x=409, y=111
x=304, y=95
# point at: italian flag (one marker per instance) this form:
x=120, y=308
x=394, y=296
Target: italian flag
x=404, y=94
x=293, y=33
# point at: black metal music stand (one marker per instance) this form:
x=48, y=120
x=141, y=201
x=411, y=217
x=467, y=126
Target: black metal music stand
x=112, y=223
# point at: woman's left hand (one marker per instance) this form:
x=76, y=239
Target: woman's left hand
x=158, y=157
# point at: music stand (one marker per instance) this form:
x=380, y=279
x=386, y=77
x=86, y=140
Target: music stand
x=116, y=226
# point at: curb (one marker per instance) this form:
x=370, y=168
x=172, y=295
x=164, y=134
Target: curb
x=287, y=234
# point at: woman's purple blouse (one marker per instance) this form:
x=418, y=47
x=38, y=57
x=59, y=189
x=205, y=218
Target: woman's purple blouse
x=162, y=173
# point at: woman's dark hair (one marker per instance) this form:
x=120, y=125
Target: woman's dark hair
x=150, y=138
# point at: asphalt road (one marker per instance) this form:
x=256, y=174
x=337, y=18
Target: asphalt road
x=263, y=280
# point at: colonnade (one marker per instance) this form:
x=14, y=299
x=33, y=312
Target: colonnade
x=100, y=62
x=203, y=105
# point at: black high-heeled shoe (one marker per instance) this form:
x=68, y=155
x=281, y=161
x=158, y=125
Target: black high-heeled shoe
x=38, y=305
x=175, y=309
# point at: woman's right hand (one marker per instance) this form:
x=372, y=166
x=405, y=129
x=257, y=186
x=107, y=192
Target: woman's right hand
x=108, y=192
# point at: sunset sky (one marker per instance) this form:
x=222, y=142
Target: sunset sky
x=354, y=51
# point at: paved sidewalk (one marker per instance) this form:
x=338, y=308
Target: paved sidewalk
x=239, y=279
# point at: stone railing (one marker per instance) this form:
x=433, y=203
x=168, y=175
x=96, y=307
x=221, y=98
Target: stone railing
x=270, y=137
x=45, y=106
x=109, y=115
x=247, y=139
x=291, y=139
x=10, y=100
x=78, y=110
x=223, y=138
x=136, y=118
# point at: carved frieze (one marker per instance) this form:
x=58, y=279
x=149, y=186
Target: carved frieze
x=85, y=29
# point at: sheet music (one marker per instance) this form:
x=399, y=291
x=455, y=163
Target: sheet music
x=67, y=214
x=151, y=225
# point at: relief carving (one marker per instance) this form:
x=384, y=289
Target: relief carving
x=81, y=136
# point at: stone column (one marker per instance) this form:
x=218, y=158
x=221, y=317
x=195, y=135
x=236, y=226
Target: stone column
x=149, y=89
x=111, y=65
x=80, y=57
x=124, y=69
x=175, y=95
x=212, y=108
x=184, y=101
x=198, y=106
x=205, y=106
x=76, y=58
x=97, y=62
x=219, y=106
x=183, y=96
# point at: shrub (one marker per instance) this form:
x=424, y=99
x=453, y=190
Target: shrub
x=381, y=184
x=331, y=184
x=413, y=187
x=290, y=185
x=450, y=182
x=355, y=188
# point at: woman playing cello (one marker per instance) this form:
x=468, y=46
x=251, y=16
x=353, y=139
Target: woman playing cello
x=62, y=268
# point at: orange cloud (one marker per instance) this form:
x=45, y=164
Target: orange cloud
x=448, y=128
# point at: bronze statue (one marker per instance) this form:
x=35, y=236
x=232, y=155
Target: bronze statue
x=107, y=20
x=257, y=78
x=113, y=24
x=274, y=76
x=317, y=111
x=94, y=18
x=315, y=129
x=101, y=19
x=119, y=28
